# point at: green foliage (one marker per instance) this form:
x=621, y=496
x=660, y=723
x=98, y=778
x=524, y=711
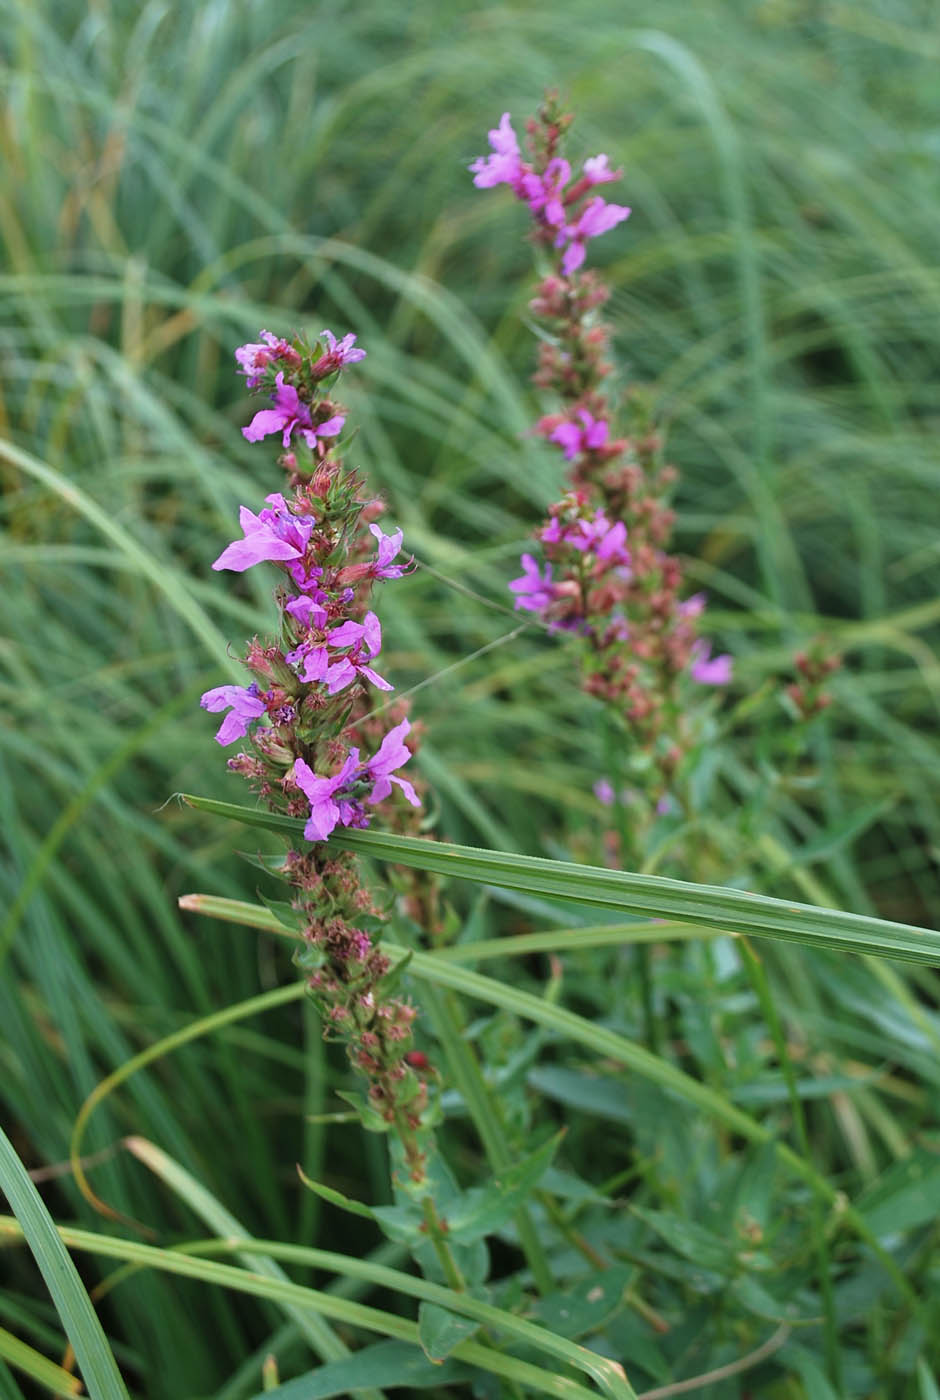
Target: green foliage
x=179, y=176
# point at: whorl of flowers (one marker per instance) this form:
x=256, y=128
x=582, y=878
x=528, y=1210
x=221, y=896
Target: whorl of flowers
x=603, y=570
x=312, y=748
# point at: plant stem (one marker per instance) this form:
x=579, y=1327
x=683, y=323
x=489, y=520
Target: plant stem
x=435, y=1229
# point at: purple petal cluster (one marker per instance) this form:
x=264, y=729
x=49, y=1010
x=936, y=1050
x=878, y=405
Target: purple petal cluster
x=254, y=359
x=596, y=218
x=389, y=547
x=276, y=534
x=290, y=415
x=708, y=669
x=245, y=704
x=363, y=640
x=604, y=540
x=339, y=353
x=588, y=437
x=339, y=801
x=546, y=195
x=534, y=589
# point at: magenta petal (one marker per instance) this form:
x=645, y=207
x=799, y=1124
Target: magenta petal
x=347, y=634
x=339, y=675
x=316, y=665
x=408, y=790
x=331, y=427
x=323, y=818
x=573, y=258
x=269, y=420
x=375, y=678
x=255, y=549
x=234, y=726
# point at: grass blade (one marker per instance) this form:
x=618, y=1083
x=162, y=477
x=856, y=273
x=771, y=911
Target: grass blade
x=706, y=906
x=96, y=1362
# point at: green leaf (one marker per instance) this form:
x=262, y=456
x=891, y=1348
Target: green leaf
x=929, y=1389
x=38, y=1367
x=702, y=1247
x=482, y=1210
x=905, y=1197
x=587, y=1305
x=808, y=1368
x=401, y=1223
x=387, y=1364
x=834, y=838
x=440, y=1330
x=336, y=1198
x=707, y=906
x=599, y=1094
x=95, y=1360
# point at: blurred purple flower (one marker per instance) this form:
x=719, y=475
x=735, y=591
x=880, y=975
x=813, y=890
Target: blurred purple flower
x=534, y=587
x=596, y=218
x=504, y=166
x=604, y=792
x=598, y=171
x=591, y=435
x=338, y=354
x=708, y=669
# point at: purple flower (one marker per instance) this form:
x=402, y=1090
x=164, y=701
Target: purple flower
x=598, y=171
x=604, y=792
x=605, y=541
x=275, y=534
x=596, y=218
x=245, y=704
x=290, y=415
x=253, y=359
x=692, y=607
x=544, y=192
x=327, y=811
x=587, y=438
x=338, y=353
x=391, y=755
x=389, y=546
x=504, y=166
x=534, y=588
x=337, y=801
x=309, y=610
x=708, y=669
x=360, y=637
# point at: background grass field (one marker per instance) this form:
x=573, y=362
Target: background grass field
x=177, y=177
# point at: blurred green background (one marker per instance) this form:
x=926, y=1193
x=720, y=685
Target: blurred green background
x=178, y=176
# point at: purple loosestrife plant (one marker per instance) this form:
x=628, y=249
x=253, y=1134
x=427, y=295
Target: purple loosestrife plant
x=311, y=748
x=607, y=574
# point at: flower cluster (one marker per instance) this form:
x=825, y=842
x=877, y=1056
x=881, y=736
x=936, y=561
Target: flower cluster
x=567, y=214
x=312, y=748
x=604, y=570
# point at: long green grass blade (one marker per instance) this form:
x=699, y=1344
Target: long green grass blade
x=32, y=1363
x=608, y=1374
x=317, y=1332
x=95, y=1359
x=706, y=906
